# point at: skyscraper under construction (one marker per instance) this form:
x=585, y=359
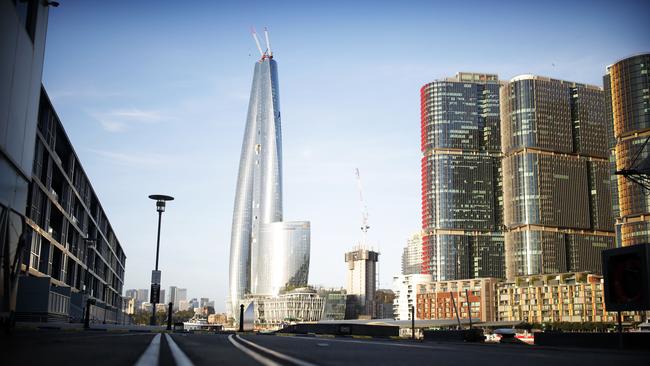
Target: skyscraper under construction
x=267, y=255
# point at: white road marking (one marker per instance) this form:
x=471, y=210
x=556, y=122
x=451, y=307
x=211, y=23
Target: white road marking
x=150, y=355
x=180, y=357
x=257, y=357
x=294, y=360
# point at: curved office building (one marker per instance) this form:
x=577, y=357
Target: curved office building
x=461, y=184
x=557, y=205
x=259, y=238
x=280, y=260
x=628, y=84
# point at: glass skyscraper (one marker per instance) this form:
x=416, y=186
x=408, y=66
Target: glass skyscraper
x=461, y=180
x=556, y=188
x=627, y=89
x=266, y=254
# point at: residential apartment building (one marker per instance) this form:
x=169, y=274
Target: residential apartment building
x=412, y=255
x=560, y=297
x=627, y=90
x=74, y=251
x=557, y=203
x=451, y=299
x=23, y=28
x=405, y=288
x=462, y=220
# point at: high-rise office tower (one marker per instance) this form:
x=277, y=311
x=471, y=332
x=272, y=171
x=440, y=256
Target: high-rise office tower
x=461, y=184
x=412, y=255
x=627, y=86
x=556, y=193
x=362, y=277
x=181, y=294
x=173, y=296
x=176, y=295
x=143, y=295
x=267, y=255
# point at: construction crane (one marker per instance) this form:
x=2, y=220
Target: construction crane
x=364, y=212
x=264, y=54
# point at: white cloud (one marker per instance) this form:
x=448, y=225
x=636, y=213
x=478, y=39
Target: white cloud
x=134, y=160
x=113, y=126
x=119, y=120
x=135, y=114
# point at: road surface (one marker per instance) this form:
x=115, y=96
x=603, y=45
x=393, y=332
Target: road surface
x=186, y=349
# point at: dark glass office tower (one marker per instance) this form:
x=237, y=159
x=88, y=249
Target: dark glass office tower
x=556, y=189
x=627, y=86
x=461, y=178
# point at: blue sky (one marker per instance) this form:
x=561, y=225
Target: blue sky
x=154, y=94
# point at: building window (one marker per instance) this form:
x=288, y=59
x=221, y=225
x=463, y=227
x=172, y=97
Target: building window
x=27, y=11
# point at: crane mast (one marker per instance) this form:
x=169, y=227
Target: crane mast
x=364, y=212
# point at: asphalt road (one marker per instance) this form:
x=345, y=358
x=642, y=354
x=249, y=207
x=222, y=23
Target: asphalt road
x=149, y=349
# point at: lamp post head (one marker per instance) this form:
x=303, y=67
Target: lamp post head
x=160, y=201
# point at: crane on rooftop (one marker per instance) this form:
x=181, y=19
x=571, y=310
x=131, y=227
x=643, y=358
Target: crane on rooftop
x=264, y=54
x=364, y=212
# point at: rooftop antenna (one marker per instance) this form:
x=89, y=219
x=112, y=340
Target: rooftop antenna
x=364, y=212
x=268, y=43
x=257, y=42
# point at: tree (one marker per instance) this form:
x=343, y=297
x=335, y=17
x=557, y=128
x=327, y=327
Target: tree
x=182, y=316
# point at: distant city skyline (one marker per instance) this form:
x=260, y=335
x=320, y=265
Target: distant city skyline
x=153, y=99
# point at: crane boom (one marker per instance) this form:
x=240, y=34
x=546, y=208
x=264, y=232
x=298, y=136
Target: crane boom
x=257, y=42
x=268, y=42
x=364, y=211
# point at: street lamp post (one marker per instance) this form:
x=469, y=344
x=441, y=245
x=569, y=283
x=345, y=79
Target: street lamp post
x=160, y=199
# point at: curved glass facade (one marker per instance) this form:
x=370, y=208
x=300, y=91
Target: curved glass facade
x=547, y=190
x=546, y=252
x=628, y=83
x=461, y=178
x=266, y=254
x=633, y=200
x=280, y=260
x=258, y=198
x=536, y=113
x=556, y=184
x=461, y=191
